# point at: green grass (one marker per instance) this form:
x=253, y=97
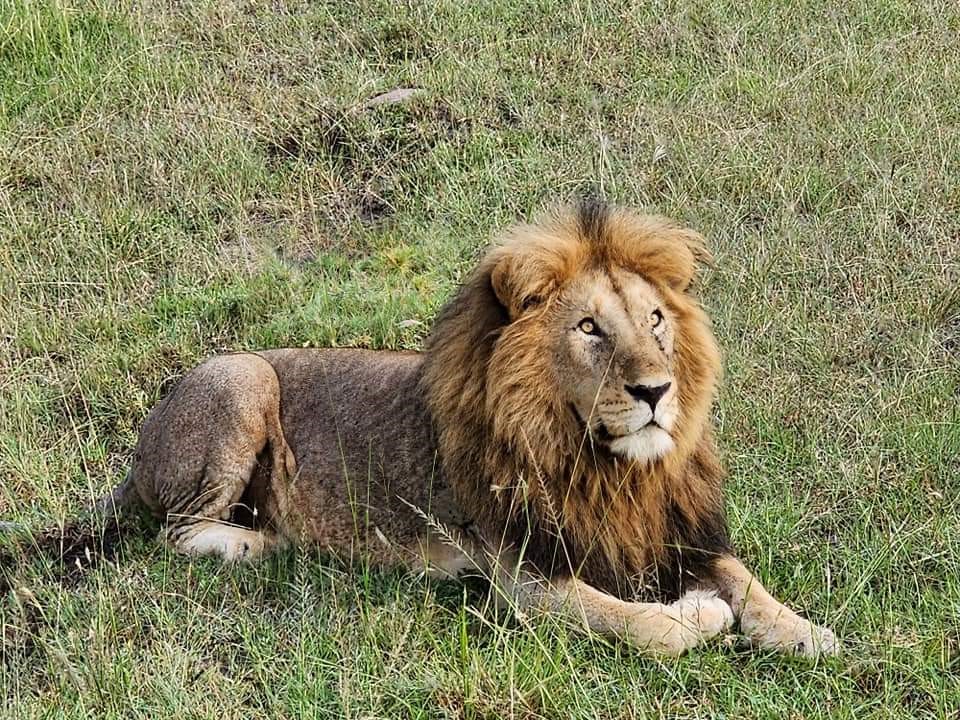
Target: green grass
x=182, y=178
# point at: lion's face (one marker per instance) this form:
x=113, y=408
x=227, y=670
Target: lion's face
x=585, y=323
x=613, y=353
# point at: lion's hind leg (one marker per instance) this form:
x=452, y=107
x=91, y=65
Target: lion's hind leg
x=202, y=525
x=199, y=455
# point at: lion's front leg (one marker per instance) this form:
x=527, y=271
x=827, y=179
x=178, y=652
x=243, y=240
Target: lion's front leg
x=767, y=622
x=652, y=627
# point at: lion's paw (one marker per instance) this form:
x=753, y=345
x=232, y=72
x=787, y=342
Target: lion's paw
x=231, y=543
x=704, y=613
x=243, y=549
x=788, y=632
x=678, y=627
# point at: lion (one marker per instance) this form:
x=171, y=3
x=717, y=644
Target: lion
x=553, y=435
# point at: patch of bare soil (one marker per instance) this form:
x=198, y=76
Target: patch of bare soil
x=370, y=149
x=69, y=551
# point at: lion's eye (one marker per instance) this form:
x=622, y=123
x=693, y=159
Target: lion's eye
x=588, y=326
x=656, y=317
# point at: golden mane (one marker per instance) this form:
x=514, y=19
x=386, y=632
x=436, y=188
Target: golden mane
x=516, y=454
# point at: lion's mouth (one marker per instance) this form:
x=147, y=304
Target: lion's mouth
x=607, y=436
x=602, y=433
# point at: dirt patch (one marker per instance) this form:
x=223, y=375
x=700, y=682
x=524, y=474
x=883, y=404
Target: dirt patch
x=327, y=134
x=370, y=151
x=70, y=552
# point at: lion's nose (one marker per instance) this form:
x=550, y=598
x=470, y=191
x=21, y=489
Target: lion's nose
x=650, y=394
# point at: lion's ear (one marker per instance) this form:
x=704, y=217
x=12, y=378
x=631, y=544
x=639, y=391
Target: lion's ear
x=519, y=283
x=692, y=255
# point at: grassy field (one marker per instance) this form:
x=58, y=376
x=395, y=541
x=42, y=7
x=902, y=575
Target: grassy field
x=183, y=178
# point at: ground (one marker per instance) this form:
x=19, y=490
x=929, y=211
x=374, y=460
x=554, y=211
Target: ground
x=182, y=178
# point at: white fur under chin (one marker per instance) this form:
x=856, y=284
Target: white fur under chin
x=646, y=445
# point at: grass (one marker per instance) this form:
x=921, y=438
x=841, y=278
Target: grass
x=179, y=179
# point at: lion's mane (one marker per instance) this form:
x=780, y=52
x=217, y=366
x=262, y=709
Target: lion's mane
x=515, y=453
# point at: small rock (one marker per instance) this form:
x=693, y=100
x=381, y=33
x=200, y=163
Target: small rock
x=392, y=97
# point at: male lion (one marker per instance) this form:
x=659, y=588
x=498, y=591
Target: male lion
x=554, y=435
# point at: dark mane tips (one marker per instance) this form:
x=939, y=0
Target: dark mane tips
x=593, y=215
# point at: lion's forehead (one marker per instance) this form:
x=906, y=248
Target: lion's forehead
x=639, y=295
x=618, y=296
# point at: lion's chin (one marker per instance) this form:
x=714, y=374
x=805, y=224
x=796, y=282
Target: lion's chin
x=646, y=445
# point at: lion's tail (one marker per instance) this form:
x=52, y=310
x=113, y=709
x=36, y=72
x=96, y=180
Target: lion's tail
x=80, y=542
x=123, y=498
x=111, y=507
